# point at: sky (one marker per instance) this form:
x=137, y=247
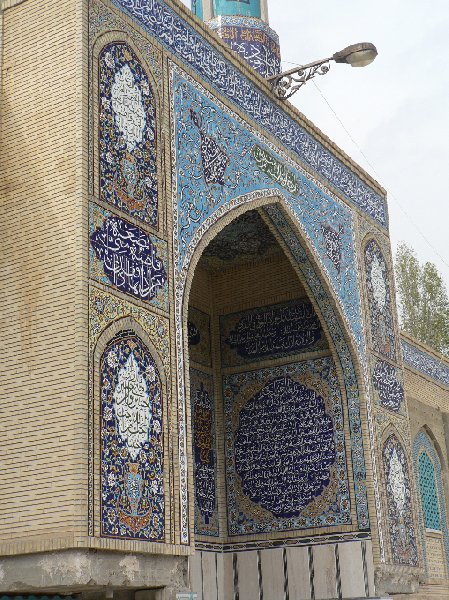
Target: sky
x=395, y=110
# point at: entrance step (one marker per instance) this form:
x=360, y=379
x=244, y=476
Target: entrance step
x=427, y=592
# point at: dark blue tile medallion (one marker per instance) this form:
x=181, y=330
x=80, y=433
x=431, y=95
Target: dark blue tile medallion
x=271, y=332
x=285, y=449
x=126, y=257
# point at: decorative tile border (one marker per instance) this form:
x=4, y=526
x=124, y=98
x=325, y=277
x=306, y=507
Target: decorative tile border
x=425, y=363
x=187, y=44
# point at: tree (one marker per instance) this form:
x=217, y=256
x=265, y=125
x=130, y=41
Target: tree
x=423, y=300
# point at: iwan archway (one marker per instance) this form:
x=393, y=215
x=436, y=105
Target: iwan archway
x=277, y=450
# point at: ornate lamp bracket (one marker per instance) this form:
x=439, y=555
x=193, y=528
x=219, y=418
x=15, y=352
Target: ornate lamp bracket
x=289, y=82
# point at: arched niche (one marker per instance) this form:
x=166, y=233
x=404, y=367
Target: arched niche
x=126, y=170
x=399, y=501
x=309, y=279
x=433, y=516
x=131, y=480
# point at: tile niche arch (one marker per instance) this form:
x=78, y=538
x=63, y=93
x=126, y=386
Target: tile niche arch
x=274, y=214
x=433, y=516
x=131, y=483
x=126, y=118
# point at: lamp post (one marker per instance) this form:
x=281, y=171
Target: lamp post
x=287, y=83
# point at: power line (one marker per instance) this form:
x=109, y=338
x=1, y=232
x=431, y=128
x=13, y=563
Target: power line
x=378, y=177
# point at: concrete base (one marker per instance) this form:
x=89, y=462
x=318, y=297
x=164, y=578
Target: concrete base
x=95, y=574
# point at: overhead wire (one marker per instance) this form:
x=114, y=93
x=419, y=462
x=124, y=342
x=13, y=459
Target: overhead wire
x=375, y=172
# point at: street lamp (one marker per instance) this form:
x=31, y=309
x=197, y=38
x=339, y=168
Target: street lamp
x=287, y=83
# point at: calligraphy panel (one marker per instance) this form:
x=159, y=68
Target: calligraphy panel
x=198, y=331
x=271, y=332
x=388, y=386
x=204, y=453
x=399, y=501
x=124, y=256
x=253, y=40
x=285, y=449
x=127, y=139
x=131, y=430
x=379, y=300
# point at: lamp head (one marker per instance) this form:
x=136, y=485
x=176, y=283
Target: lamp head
x=357, y=55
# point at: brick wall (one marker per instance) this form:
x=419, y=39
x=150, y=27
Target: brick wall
x=43, y=380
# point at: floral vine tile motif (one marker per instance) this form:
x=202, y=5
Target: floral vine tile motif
x=271, y=332
x=251, y=165
x=379, y=300
x=204, y=453
x=285, y=449
x=127, y=137
x=124, y=256
x=208, y=62
x=132, y=485
x=388, y=385
x=399, y=500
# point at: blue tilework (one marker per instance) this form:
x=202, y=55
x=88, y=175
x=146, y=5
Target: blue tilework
x=127, y=137
x=388, y=385
x=217, y=160
x=204, y=453
x=383, y=336
x=425, y=363
x=124, y=256
x=245, y=8
x=399, y=500
x=428, y=492
x=270, y=332
x=424, y=445
x=285, y=449
x=350, y=379
x=189, y=46
x=253, y=41
x=131, y=437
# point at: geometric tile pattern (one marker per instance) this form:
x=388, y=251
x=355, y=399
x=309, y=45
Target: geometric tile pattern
x=431, y=513
x=285, y=449
x=174, y=34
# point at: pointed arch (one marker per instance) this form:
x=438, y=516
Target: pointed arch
x=433, y=515
x=286, y=226
x=399, y=500
x=130, y=439
x=126, y=169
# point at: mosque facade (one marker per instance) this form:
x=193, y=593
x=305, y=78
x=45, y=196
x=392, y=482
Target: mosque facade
x=205, y=391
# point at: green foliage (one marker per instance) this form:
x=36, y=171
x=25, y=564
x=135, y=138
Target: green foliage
x=423, y=300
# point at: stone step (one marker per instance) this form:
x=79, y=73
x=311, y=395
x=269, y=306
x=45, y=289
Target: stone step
x=427, y=592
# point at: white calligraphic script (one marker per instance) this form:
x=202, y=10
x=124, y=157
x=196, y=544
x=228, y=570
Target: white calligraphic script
x=132, y=406
x=128, y=107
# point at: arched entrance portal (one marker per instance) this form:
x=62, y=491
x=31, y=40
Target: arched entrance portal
x=273, y=457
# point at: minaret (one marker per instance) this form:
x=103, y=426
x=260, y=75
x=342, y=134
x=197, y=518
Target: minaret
x=243, y=25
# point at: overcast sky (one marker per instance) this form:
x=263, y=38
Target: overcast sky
x=395, y=109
